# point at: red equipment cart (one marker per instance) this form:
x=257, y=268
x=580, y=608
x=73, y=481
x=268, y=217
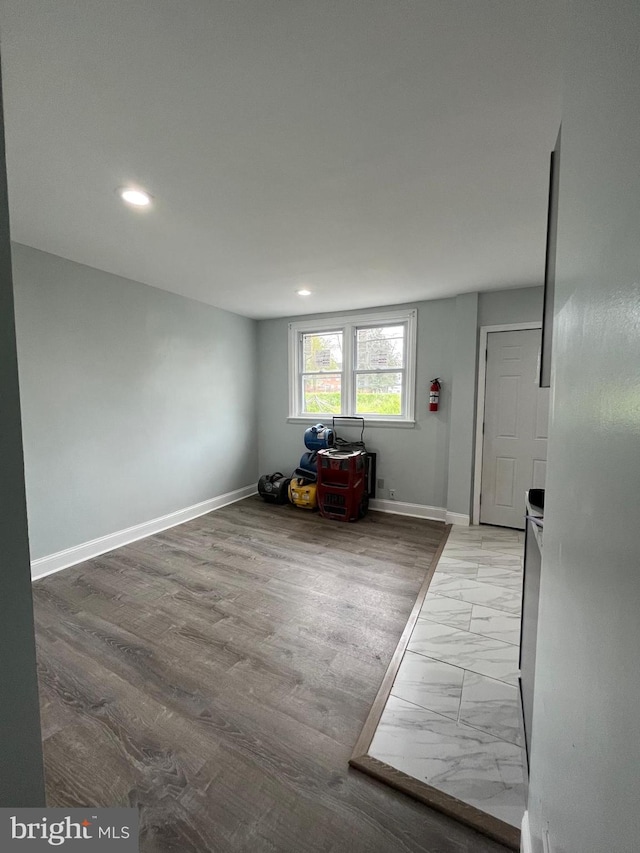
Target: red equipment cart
x=342, y=484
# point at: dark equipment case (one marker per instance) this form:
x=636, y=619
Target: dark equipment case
x=274, y=488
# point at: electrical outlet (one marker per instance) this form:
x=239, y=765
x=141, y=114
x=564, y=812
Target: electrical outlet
x=380, y=483
x=392, y=494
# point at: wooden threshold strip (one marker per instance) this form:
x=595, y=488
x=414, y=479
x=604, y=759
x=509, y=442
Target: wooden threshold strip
x=485, y=823
x=489, y=825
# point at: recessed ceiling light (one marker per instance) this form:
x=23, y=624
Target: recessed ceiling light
x=138, y=198
x=304, y=292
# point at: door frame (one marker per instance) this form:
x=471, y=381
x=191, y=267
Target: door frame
x=481, y=388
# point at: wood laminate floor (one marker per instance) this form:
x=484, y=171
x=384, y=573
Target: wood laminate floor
x=217, y=675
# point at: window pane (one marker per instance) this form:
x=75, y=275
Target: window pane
x=380, y=348
x=379, y=394
x=322, y=394
x=322, y=351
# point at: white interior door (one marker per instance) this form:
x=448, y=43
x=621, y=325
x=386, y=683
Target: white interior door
x=516, y=415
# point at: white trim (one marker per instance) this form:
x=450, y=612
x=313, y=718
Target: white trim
x=368, y=422
x=435, y=513
x=88, y=550
x=457, y=518
x=372, y=318
x=347, y=324
x=526, y=844
x=480, y=395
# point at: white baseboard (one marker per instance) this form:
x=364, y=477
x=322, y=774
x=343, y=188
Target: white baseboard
x=87, y=550
x=435, y=513
x=457, y=518
x=526, y=845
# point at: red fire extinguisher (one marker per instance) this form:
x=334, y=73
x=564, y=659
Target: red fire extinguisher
x=434, y=395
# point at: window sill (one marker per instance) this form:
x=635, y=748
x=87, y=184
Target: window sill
x=368, y=422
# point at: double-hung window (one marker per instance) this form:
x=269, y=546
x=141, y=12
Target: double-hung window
x=356, y=365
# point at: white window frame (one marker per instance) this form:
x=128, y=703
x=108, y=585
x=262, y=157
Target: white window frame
x=348, y=326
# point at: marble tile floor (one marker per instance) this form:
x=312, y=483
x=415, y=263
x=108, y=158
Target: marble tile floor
x=452, y=718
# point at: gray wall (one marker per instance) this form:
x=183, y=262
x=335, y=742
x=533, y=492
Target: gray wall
x=521, y=305
x=136, y=402
x=586, y=727
x=431, y=464
x=21, y=775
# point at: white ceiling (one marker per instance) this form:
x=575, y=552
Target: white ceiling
x=376, y=151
